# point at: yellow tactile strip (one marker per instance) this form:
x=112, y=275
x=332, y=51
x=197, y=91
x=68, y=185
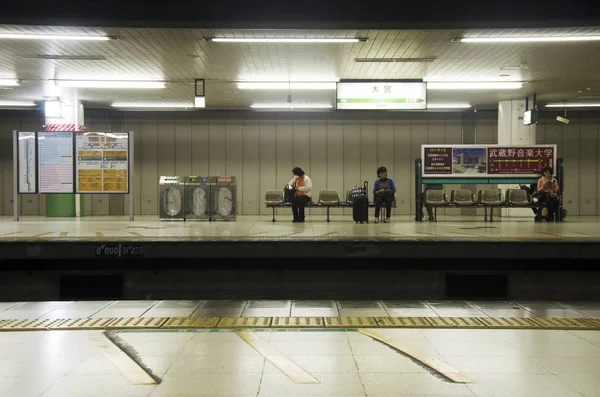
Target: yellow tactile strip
x=564, y=323
x=299, y=322
x=191, y=322
x=403, y=322
x=245, y=322
x=508, y=323
x=82, y=323
x=137, y=323
x=350, y=322
x=455, y=322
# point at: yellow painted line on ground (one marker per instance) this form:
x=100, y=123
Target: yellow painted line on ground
x=135, y=374
x=394, y=234
x=8, y=234
x=328, y=234
x=99, y=234
x=589, y=234
x=62, y=234
x=42, y=234
x=136, y=234
x=278, y=359
x=443, y=368
x=254, y=234
x=551, y=234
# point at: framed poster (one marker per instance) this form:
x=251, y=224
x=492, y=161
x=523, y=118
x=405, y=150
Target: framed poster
x=26, y=162
x=102, y=162
x=488, y=161
x=55, y=161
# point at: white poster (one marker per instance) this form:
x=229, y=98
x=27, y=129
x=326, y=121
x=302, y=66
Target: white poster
x=55, y=162
x=382, y=95
x=26, y=159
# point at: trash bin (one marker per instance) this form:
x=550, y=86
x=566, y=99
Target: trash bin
x=223, y=193
x=172, y=198
x=197, y=198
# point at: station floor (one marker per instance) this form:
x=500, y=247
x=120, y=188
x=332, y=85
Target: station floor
x=425, y=361
x=581, y=228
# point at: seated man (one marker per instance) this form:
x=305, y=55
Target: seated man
x=547, y=188
x=384, y=192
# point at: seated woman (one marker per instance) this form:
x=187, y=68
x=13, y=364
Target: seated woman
x=547, y=187
x=384, y=191
x=302, y=185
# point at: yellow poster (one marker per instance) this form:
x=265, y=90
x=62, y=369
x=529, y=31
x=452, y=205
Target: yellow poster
x=102, y=162
x=115, y=180
x=89, y=180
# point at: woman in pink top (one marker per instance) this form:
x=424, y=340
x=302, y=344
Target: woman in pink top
x=547, y=185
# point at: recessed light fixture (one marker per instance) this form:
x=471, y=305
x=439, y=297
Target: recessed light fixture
x=472, y=85
x=110, y=84
x=525, y=39
x=9, y=82
x=55, y=37
x=448, y=106
x=16, y=104
x=573, y=105
x=282, y=85
x=394, y=60
x=290, y=106
x=282, y=40
x=514, y=67
x=154, y=105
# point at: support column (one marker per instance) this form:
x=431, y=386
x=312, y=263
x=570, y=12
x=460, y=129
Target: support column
x=68, y=114
x=512, y=131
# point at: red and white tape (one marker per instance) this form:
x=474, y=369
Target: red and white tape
x=63, y=127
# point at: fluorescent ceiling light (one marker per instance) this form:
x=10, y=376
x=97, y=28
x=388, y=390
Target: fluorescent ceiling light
x=448, y=106
x=291, y=106
x=399, y=60
x=573, y=105
x=66, y=57
x=152, y=105
x=110, y=84
x=53, y=109
x=285, y=85
x=526, y=39
x=16, y=104
x=471, y=85
x=53, y=37
x=281, y=40
x=9, y=82
x=200, y=102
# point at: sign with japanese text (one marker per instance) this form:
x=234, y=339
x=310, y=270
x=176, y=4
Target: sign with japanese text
x=102, y=164
x=381, y=95
x=477, y=161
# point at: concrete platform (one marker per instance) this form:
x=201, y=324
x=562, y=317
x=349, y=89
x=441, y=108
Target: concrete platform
x=577, y=238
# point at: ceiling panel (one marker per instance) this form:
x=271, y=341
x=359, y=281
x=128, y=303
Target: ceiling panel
x=554, y=71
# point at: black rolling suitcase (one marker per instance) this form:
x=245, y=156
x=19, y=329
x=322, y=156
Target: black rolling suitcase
x=360, y=205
